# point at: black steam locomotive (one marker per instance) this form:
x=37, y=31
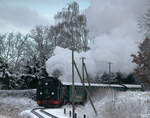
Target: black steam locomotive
x=49, y=93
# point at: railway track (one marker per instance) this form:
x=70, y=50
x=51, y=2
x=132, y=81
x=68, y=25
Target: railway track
x=41, y=113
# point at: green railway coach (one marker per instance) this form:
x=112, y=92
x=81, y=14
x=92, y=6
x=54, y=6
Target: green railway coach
x=81, y=96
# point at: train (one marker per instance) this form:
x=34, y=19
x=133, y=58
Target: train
x=51, y=92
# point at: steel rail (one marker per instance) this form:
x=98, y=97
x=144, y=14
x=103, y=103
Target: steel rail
x=48, y=114
x=35, y=113
x=42, y=111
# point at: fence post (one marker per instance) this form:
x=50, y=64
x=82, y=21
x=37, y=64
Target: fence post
x=75, y=115
x=64, y=110
x=69, y=113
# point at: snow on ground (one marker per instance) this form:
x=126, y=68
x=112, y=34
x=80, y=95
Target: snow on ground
x=57, y=112
x=113, y=104
x=21, y=103
x=27, y=113
x=119, y=105
x=12, y=103
x=109, y=104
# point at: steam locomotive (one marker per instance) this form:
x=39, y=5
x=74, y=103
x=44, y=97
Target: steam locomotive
x=49, y=93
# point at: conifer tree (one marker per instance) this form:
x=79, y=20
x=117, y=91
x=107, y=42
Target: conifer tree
x=142, y=59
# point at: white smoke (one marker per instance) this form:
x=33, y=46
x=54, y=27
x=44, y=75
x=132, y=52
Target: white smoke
x=114, y=26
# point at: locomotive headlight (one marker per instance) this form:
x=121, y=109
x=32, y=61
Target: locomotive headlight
x=52, y=93
x=46, y=83
x=41, y=93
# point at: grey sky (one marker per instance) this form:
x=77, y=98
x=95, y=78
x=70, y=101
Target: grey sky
x=19, y=18
x=23, y=15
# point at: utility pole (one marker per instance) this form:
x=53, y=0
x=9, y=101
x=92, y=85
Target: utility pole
x=73, y=88
x=109, y=63
x=85, y=70
x=112, y=92
x=73, y=92
x=83, y=58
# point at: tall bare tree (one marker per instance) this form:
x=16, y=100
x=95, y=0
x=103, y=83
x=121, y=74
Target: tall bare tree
x=71, y=28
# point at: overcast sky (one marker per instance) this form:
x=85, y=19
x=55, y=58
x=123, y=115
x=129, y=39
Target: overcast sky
x=23, y=15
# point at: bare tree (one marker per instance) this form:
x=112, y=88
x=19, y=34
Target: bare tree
x=71, y=28
x=12, y=48
x=42, y=42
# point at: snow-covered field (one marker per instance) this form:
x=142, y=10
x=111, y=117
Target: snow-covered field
x=119, y=105
x=12, y=103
